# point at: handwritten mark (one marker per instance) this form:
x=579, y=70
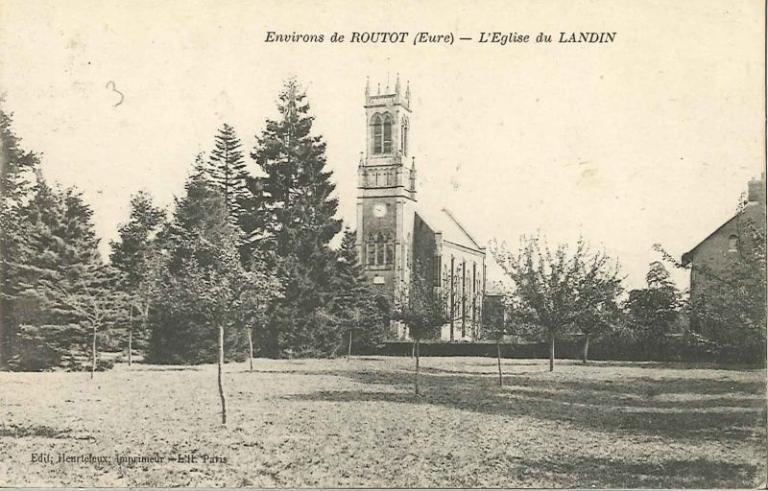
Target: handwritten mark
x=111, y=85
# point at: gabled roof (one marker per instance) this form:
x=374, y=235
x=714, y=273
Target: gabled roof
x=751, y=209
x=445, y=222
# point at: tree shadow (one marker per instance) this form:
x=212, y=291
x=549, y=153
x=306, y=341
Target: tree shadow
x=21, y=431
x=699, y=410
x=675, y=365
x=586, y=472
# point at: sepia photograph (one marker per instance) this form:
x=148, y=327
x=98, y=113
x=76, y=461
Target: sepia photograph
x=383, y=244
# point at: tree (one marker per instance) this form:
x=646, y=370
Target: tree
x=18, y=169
x=557, y=290
x=227, y=173
x=293, y=221
x=134, y=255
x=199, y=227
x=91, y=301
x=354, y=306
x=220, y=291
x=67, y=296
x=597, y=311
x=654, y=310
x=728, y=313
x=494, y=321
x=424, y=311
x=208, y=297
x=194, y=252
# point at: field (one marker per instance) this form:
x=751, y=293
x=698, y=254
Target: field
x=358, y=423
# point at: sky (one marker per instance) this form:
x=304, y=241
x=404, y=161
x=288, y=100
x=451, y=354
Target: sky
x=649, y=139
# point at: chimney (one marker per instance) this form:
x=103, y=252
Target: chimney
x=756, y=190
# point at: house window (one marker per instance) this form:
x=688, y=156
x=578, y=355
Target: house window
x=733, y=243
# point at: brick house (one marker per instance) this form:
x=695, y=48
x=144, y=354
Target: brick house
x=711, y=257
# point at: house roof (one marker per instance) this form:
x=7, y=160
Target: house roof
x=445, y=222
x=751, y=209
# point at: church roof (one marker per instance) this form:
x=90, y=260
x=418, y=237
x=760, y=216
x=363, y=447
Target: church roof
x=445, y=222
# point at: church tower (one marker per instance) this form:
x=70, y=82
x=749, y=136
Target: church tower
x=386, y=190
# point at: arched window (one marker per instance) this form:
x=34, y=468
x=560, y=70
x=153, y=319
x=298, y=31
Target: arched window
x=376, y=123
x=387, y=143
x=733, y=243
x=382, y=133
x=404, y=137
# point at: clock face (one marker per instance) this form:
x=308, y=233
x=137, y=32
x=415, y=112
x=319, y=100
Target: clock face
x=379, y=210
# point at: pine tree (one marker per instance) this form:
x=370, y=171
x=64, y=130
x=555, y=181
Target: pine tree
x=17, y=177
x=359, y=312
x=227, y=173
x=129, y=254
x=196, y=256
x=134, y=255
x=295, y=221
x=67, y=294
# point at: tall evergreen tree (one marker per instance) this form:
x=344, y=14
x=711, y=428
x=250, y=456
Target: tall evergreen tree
x=295, y=221
x=202, y=289
x=17, y=178
x=134, y=256
x=67, y=296
x=227, y=172
x=359, y=312
x=130, y=253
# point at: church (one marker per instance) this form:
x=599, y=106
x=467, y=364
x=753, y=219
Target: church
x=395, y=233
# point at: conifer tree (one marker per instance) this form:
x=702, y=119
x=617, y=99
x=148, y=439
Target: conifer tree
x=359, y=312
x=134, y=255
x=227, y=172
x=17, y=177
x=68, y=295
x=295, y=221
x=196, y=256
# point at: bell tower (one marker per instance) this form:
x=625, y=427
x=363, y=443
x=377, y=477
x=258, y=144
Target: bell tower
x=386, y=189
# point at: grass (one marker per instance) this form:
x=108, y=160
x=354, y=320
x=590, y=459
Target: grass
x=337, y=423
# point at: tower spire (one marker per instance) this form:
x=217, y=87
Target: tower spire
x=387, y=75
x=397, y=84
x=367, y=86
